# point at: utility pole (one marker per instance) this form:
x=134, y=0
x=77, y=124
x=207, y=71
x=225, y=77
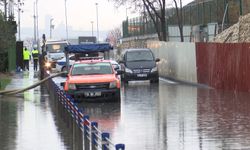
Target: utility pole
x=19, y=28
x=92, y=22
x=51, y=27
x=37, y=31
x=35, y=23
x=66, y=20
x=97, y=28
x=19, y=4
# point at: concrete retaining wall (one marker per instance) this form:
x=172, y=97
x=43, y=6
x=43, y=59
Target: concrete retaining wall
x=178, y=60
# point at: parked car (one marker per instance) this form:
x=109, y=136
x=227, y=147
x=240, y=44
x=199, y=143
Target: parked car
x=61, y=63
x=115, y=64
x=93, y=80
x=139, y=64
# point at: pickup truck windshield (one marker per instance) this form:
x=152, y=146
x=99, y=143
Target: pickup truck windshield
x=92, y=69
x=139, y=56
x=55, y=47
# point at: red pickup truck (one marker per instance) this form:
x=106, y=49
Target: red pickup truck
x=93, y=80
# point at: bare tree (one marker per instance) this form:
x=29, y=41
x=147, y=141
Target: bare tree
x=114, y=36
x=155, y=9
x=179, y=14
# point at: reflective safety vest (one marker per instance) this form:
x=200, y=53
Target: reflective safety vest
x=35, y=54
x=26, y=55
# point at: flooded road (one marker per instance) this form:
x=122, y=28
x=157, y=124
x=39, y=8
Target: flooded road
x=26, y=120
x=175, y=117
x=164, y=116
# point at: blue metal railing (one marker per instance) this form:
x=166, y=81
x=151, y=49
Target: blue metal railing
x=94, y=139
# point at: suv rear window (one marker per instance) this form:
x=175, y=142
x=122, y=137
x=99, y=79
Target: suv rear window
x=90, y=69
x=139, y=56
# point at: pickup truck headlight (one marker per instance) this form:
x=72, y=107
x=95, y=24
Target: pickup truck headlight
x=128, y=70
x=112, y=84
x=47, y=64
x=72, y=86
x=154, y=69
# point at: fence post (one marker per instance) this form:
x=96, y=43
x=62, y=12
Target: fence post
x=119, y=147
x=94, y=138
x=105, y=143
x=80, y=112
x=86, y=132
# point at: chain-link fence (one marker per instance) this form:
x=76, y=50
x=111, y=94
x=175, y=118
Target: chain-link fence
x=195, y=13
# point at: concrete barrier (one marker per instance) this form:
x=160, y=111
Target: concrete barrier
x=178, y=60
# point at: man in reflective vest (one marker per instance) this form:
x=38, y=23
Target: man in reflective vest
x=35, y=55
x=26, y=58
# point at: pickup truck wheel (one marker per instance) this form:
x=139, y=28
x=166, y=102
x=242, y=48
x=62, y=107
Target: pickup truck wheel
x=117, y=97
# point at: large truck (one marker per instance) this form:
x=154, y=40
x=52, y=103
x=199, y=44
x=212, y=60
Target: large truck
x=54, y=51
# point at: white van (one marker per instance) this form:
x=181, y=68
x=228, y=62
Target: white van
x=54, y=52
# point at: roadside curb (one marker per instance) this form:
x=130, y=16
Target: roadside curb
x=186, y=82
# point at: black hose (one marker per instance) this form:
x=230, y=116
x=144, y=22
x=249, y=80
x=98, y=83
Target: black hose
x=15, y=91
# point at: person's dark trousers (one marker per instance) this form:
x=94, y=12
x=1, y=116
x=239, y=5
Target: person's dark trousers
x=26, y=65
x=35, y=64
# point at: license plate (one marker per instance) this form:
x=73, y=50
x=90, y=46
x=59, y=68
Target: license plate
x=141, y=75
x=92, y=94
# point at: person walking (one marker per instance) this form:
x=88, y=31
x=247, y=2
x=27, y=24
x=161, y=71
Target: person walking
x=26, y=58
x=35, y=55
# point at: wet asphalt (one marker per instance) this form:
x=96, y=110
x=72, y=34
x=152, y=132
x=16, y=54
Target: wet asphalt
x=164, y=116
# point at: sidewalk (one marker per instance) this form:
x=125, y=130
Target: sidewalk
x=23, y=79
x=26, y=119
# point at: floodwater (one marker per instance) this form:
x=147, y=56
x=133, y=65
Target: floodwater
x=164, y=116
x=26, y=120
x=170, y=116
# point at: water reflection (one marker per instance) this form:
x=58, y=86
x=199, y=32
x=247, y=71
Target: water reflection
x=67, y=128
x=106, y=114
x=137, y=128
x=150, y=117
x=176, y=122
x=224, y=119
x=8, y=123
x=26, y=121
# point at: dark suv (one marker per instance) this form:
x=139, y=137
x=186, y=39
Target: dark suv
x=139, y=64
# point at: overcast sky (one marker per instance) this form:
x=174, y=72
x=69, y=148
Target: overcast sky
x=80, y=13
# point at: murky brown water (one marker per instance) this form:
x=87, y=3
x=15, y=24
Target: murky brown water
x=167, y=116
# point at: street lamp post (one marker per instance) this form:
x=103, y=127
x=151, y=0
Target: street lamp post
x=37, y=30
x=19, y=4
x=51, y=27
x=19, y=28
x=97, y=28
x=35, y=33
x=92, y=22
x=66, y=19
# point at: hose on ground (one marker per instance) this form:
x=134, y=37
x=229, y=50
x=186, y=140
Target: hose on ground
x=15, y=91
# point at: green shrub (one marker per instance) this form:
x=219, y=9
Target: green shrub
x=4, y=82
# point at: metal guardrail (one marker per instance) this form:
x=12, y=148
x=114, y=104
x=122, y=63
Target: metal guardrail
x=94, y=139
